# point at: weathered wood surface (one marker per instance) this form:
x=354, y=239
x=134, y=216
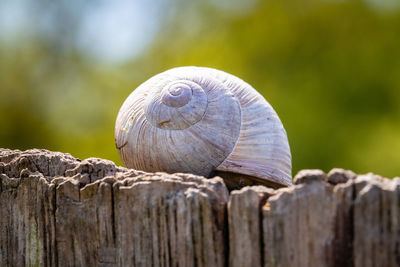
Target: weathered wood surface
x=56, y=210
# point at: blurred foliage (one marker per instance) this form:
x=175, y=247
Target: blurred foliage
x=331, y=70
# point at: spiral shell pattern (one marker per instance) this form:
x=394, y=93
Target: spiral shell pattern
x=197, y=120
x=178, y=121
x=179, y=105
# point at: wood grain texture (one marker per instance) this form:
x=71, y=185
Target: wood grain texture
x=56, y=210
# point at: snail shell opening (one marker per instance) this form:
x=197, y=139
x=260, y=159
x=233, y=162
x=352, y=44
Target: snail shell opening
x=200, y=120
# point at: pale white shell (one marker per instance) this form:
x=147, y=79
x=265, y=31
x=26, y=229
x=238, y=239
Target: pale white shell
x=197, y=120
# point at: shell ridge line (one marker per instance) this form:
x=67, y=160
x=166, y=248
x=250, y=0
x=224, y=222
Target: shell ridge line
x=237, y=137
x=191, y=125
x=218, y=151
x=272, y=159
x=141, y=129
x=200, y=155
x=205, y=110
x=177, y=156
x=183, y=118
x=125, y=123
x=222, y=133
x=274, y=174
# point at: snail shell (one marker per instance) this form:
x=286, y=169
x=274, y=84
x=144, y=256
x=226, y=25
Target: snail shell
x=201, y=120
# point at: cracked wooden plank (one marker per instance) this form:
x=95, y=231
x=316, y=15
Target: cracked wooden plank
x=56, y=210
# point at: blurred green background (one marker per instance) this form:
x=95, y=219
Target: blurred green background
x=330, y=68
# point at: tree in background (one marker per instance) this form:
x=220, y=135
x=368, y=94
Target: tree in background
x=329, y=68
